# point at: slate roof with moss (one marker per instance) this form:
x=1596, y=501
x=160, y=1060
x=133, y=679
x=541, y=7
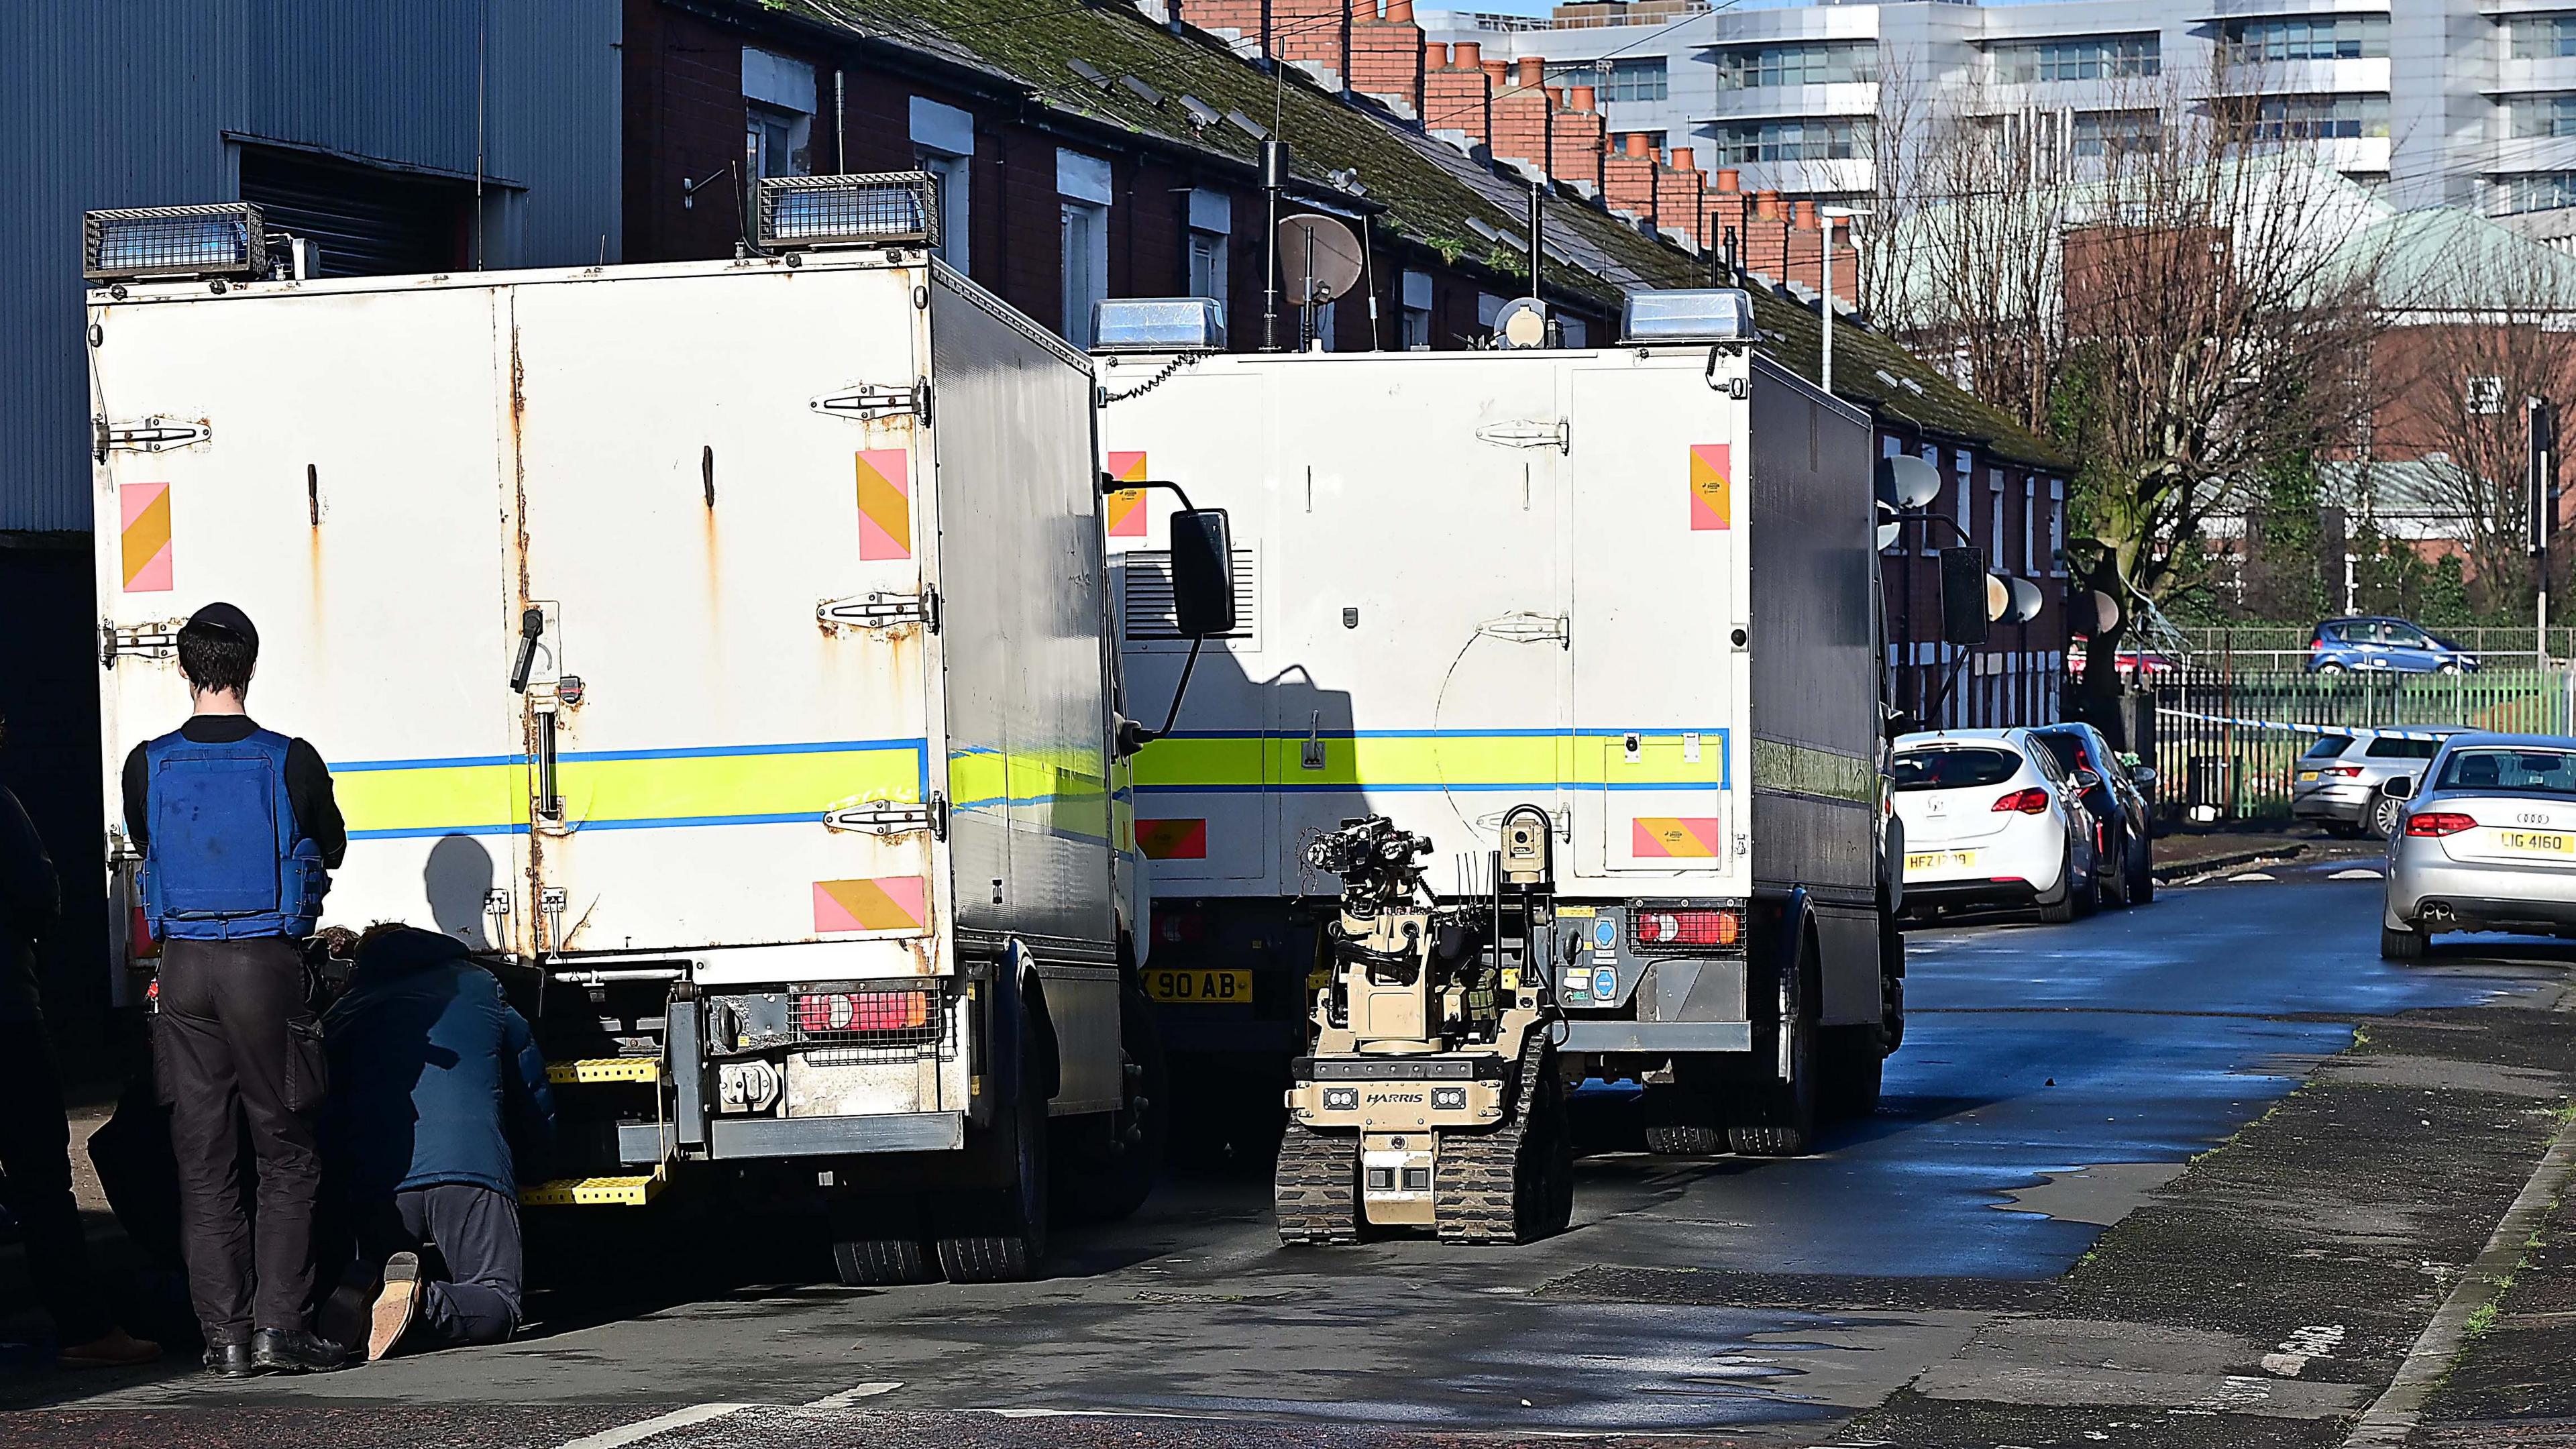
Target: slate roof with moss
x=1422, y=190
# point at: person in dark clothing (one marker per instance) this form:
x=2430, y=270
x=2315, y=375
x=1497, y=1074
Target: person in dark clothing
x=35, y=1141
x=437, y=1091
x=238, y=830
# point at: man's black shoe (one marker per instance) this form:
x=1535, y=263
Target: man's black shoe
x=230, y=1360
x=294, y=1351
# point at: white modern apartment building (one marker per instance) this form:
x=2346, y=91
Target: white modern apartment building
x=2457, y=102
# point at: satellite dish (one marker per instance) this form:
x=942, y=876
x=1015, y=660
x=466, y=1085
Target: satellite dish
x=1319, y=259
x=1523, y=323
x=1908, y=481
x=1998, y=597
x=2025, y=600
x=1887, y=533
x=2105, y=611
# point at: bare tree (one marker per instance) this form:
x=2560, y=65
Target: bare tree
x=2175, y=294
x=2487, y=321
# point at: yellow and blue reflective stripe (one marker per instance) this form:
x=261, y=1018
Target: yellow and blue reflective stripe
x=1220, y=762
x=646, y=789
x=1059, y=799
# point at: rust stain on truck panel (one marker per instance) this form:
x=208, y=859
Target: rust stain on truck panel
x=526, y=924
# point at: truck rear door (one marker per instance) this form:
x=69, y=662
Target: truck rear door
x=721, y=525
x=1657, y=568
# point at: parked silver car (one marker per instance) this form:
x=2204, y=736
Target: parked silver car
x=2488, y=844
x=2338, y=779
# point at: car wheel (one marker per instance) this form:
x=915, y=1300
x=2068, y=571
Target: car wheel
x=2400, y=943
x=2063, y=910
x=2387, y=813
x=2142, y=887
x=2330, y=667
x=2448, y=666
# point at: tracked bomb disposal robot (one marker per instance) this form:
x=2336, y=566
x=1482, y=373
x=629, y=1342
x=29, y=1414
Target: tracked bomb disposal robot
x=1430, y=1098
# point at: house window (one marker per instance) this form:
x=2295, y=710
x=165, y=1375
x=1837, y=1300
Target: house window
x=2542, y=37
x=1995, y=516
x=2057, y=527
x=1639, y=79
x=1417, y=311
x=1932, y=540
x=2537, y=191
x=2029, y=537
x=2486, y=396
x=943, y=142
x=1751, y=67
x=1889, y=447
x=1211, y=221
x=2080, y=58
x=2116, y=133
x=1819, y=138
x=2311, y=117
x=2306, y=37
x=778, y=114
x=1082, y=187
x=1574, y=332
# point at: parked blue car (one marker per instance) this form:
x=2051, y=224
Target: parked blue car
x=2383, y=646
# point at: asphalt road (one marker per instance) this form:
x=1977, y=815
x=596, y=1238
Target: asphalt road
x=2051, y=1079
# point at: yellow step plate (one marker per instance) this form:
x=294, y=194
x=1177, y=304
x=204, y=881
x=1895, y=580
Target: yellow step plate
x=593, y=1191
x=604, y=1069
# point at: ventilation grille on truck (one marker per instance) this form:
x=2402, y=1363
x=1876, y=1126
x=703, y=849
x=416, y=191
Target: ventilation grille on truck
x=1145, y=596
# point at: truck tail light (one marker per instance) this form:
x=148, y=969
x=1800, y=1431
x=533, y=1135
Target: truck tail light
x=862, y=1011
x=2033, y=801
x=1688, y=928
x=1179, y=928
x=2438, y=822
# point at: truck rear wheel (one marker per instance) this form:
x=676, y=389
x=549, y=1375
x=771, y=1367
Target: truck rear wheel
x=878, y=1244
x=1110, y=1166
x=999, y=1234
x=1684, y=1117
x=1781, y=1121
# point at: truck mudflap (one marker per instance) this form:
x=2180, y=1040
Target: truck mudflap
x=1604, y=1038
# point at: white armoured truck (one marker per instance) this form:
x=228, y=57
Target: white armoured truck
x=1635, y=586
x=717, y=648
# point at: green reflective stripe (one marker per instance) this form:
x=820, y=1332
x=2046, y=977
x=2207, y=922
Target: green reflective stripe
x=1802, y=770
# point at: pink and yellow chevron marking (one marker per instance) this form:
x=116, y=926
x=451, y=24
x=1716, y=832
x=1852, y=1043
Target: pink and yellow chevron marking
x=882, y=903
x=1673, y=837
x=145, y=511
x=1127, y=505
x=885, y=503
x=1711, y=476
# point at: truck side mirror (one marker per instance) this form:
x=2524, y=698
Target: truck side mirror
x=1202, y=572
x=1964, y=619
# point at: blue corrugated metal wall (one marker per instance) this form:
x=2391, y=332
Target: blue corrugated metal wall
x=131, y=104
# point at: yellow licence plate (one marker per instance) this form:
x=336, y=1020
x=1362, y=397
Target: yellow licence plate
x=1941, y=860
x=2307, y=777
x=1199, y=987
x=2534, y=842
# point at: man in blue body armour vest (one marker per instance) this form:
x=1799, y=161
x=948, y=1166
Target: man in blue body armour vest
x=238, y=830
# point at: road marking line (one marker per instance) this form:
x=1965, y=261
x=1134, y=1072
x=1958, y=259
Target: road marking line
x=853, y=1394
x=647, y=1428
x=2392, y=1417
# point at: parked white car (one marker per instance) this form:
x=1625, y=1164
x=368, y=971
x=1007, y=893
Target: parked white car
x=2487, y=843
x=1992, y=819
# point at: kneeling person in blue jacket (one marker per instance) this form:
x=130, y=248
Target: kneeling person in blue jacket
x=434, y=1080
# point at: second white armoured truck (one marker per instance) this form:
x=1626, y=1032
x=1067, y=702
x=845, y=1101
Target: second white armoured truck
x=719, y=649
x=1634, y=585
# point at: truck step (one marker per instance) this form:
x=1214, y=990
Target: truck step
x=593, y=1191
x=604, y=1069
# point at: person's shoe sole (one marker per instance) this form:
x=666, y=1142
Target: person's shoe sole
x=396, y=1302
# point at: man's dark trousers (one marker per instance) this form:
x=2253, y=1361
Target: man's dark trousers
x=477, y=1232
x=239, y=1046
x=35, y=1153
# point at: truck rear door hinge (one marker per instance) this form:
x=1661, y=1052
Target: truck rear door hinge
x=1557, y=433
x=155, y=434
x=866, y=402
x=153, y=641
x=1524, y=627
x=883, y=610
x=891, y=817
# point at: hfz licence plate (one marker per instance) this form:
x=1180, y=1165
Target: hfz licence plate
x=1941, y=860
x=2534, y=842
x=1198, y=986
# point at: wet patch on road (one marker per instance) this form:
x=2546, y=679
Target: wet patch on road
x=2101, y=1194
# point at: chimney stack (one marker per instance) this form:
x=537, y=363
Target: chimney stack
x=1457, y=94
x=1387, y=55
x=1523, y=116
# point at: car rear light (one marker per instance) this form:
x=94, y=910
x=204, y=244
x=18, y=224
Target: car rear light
x=863, y=1011
x=2438, y=822
x=2340, y=772
x=2033, y=801
x=1687, y=928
